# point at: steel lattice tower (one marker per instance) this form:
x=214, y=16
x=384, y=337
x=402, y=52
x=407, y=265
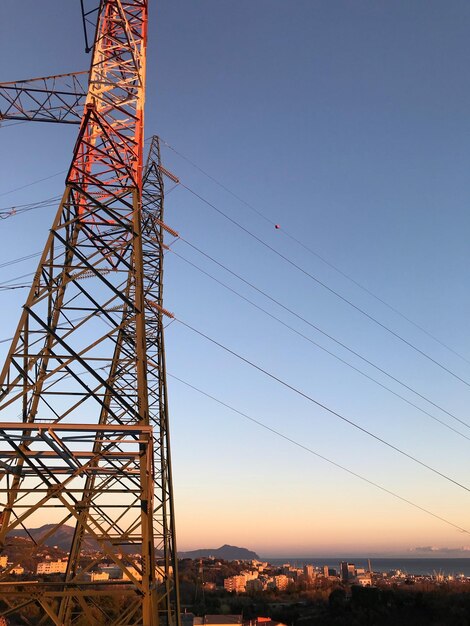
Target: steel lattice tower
x=84, y=433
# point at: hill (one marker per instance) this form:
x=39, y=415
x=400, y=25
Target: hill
x=226, y=552
x=62, y=538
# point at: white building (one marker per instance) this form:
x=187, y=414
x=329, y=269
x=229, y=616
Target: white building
x=51, y=567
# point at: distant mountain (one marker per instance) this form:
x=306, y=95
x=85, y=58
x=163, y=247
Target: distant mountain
x=226, y=552
x=62, y=538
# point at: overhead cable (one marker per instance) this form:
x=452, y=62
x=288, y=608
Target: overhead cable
x=310, y=340
x=334, y=267
x=321, y=456
x=326, y=408
x=20, y=259
x=25, y=208
x=324, y=333
x=6, y=282
x=327, y=287
x=34, y=182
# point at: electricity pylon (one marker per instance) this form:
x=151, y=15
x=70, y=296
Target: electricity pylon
x=84, y=437
x=56, y=99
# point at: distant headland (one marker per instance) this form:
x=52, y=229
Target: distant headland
x=225, y=552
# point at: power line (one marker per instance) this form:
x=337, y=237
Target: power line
x=15, y=287
x=309, y=398
x=310, y=250
x=299, y=268
x=320, y=456
x=6, y=282
x=35, y=182
x=319, y=404
x=334, y=267
x=325, y=334
x=20, y=259
x=329, y=289
x=287, y=326
x=25, y=208
x=310, y=340
x=325, y=286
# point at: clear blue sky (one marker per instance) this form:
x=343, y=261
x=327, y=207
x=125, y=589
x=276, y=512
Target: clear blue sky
x=347, y=123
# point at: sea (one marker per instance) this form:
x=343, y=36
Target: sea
x=417, y=566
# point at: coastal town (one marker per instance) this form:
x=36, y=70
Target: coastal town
x=252, y=592
x=215, y=574
x=234, y=585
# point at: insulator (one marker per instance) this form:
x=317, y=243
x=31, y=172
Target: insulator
x=155, y=305
x=168, y=174
x=169, y=230
x=90, y=273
